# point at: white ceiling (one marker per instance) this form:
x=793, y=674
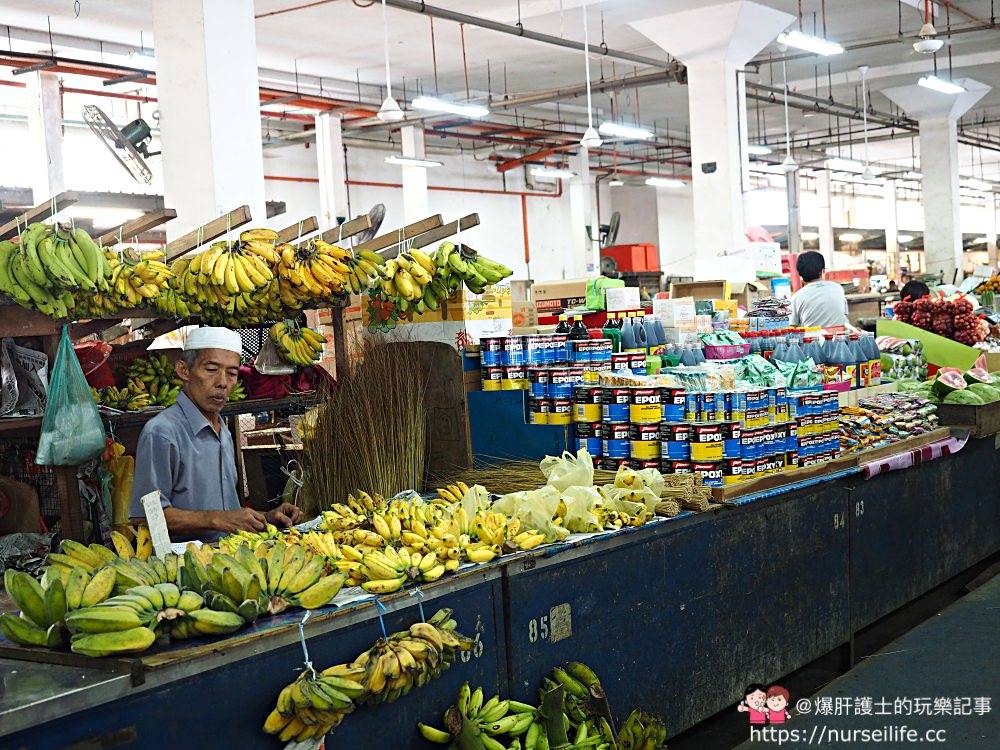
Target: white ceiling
x=341, y=41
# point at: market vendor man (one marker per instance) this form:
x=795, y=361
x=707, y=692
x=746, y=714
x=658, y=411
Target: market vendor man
x=186, y=452
x=819, y=303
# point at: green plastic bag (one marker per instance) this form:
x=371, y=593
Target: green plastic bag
x=595, y=291
x=72, y=432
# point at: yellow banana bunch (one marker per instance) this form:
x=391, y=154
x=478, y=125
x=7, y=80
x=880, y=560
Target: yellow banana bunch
x=297, y=344
x=316, y=703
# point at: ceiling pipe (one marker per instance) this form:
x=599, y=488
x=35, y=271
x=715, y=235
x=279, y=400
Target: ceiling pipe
x=519, y=30
x=571, y=92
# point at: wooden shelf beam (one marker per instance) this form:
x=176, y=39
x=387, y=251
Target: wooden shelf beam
x=299, y=229
x=207, y=232
x=41, y=212
x=137, y=226
x=402, y=234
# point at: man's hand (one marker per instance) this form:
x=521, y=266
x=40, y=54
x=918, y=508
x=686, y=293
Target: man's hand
x=285, y=515
x=229, y=521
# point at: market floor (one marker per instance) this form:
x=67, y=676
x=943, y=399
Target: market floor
x=936, y=681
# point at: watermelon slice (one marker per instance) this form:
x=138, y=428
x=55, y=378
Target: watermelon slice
x=949, y=379
x=978, y=375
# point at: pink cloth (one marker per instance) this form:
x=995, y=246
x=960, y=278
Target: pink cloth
x=757, y=717
x=777, y=717
x=906, y=459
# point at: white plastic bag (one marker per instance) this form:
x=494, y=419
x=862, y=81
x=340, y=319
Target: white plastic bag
x=567, y=471
x=535, y=509
x=580, y=503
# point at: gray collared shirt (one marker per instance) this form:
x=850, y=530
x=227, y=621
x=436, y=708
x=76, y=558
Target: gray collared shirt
x=181, y=455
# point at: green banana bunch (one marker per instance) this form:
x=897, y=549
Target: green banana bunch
x=130, y=622
x=268, y=578
x=156, y=376
x=642, y=732
x=465, y=265
x=52, y=270
x=42, y=611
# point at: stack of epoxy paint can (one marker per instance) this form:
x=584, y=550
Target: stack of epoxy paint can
x=548, y=366
x=724, y=436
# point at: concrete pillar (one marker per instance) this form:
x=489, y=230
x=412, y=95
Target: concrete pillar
x=714, y=43
x=585, y=255
x=332, y=170
x=825, y=223
x=206, y=60
x=416, y=205
x=891, y=230
x=45, y=132
x=992, y=228
x=675, y=213
x=937, y=114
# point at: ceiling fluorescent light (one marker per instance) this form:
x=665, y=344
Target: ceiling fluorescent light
x=410, y=161
x=624, y=131
x=809, y=43
x=940, y=85
x=809, y=236
x=552, y=172
x=758, y=149
x=616, y=181
x=980, y=240
x=913, y=175
x=851, y=237
x=904, y=238
x=665, y=182
x=844, y=165
x=975, y=184
x=433, y=104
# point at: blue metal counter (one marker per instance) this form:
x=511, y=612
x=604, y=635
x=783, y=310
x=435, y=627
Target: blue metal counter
x=676, y=617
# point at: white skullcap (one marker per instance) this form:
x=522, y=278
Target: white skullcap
x=214, y=338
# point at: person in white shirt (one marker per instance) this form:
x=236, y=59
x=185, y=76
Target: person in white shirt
x=819, y=303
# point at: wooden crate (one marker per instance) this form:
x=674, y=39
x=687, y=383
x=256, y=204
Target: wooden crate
x=981, y=420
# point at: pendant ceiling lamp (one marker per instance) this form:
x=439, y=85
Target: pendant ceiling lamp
x=788, y=164
x=590, y=139
x=389, y=111
x=867, y=174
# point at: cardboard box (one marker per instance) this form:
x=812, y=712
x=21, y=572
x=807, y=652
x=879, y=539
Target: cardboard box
x=746, y=293
x=701, y=289
x=523, y=313
x=675, y=313
x=621, y=298
x=520, y=290
x=552, y=297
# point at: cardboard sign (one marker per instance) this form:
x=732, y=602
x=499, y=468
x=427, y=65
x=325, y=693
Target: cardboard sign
x=157, y=523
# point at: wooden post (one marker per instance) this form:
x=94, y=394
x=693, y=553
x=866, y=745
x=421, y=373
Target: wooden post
x=339, y=342
x=69, y=502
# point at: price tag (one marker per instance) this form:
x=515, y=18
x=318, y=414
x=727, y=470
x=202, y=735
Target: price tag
x=157, y=523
